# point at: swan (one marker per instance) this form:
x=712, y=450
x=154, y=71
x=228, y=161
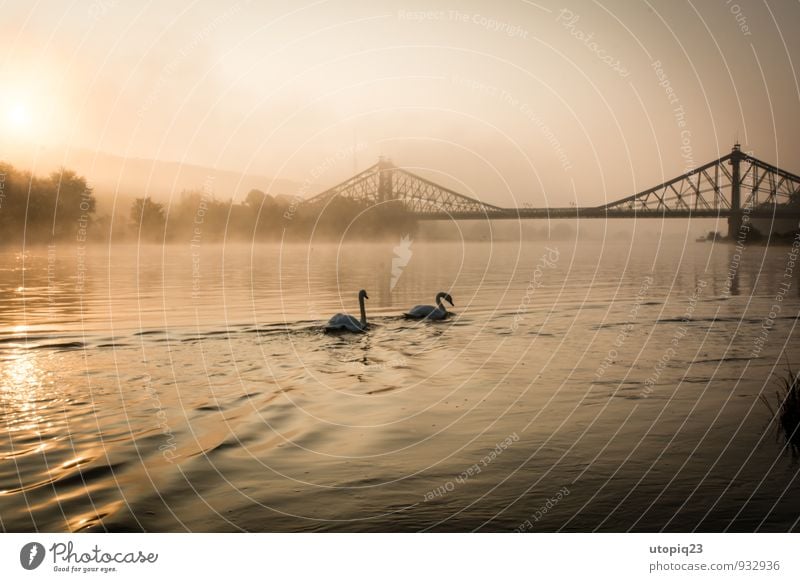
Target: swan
x=342, y=321
x=431, y=312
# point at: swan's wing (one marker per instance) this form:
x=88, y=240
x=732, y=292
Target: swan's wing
x=344, y=321
x=427, y=312
x=420, y=311
x=337, y=320
x=438, y=314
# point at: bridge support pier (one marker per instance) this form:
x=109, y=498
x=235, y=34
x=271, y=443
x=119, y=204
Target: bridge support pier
x=734, y=224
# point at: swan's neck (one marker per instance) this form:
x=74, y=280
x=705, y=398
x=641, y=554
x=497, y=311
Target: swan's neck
x=439, y=304
x=363, y=311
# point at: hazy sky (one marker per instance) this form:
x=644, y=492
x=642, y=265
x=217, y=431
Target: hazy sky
x=515, y=101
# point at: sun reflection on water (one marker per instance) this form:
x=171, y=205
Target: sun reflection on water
x=21, y=393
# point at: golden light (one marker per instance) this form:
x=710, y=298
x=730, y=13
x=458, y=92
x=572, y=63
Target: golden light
x=18, y=117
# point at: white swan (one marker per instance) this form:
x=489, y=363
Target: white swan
x=431, y=312
x=342, y=321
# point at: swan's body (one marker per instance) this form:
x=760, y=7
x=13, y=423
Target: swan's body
x=429, y=311
x=344, y=322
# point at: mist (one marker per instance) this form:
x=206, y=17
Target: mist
x=514, y=104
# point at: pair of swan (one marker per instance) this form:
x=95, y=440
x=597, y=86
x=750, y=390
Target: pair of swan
x=344, y=322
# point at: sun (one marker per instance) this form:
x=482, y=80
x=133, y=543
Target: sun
x=18, y=117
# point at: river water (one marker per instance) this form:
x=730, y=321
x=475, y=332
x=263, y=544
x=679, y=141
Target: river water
x=578, y=386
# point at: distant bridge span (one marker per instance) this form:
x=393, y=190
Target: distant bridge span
x=732, y=186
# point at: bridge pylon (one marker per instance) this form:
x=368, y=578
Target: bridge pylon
x=735, y=218
x=385, y=180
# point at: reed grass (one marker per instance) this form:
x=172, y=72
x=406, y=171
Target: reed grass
x=786, y=412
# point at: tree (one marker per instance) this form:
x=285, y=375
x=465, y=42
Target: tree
x=73, y=203
x=147, y=217
x=41, y=210
x=255, y=199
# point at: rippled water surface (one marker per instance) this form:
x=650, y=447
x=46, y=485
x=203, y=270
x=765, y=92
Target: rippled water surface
x=577, y=386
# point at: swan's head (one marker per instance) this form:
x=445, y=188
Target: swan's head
x=446, y=296
x=363, y=294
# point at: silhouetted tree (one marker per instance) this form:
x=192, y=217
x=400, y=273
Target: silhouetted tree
x=40, y=210
x=255, y=199
x=74, y=204
x=147, y=218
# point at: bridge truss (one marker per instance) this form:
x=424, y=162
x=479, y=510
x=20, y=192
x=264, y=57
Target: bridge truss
x=727, y=187
x=721, y=187
x=384, y=182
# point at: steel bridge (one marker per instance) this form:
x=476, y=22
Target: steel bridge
x=732, y=186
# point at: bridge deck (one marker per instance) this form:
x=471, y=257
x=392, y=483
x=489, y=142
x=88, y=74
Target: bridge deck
x=594, y=212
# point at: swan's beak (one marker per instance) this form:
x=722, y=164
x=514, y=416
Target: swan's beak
x=366, y=296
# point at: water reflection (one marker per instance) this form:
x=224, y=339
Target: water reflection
x=40, y=289
x=274, y=425
x=22, y=394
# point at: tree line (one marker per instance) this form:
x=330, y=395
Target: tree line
x=37, y=209
x=62, y=207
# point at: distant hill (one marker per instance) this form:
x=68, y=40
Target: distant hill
x=129, y=178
